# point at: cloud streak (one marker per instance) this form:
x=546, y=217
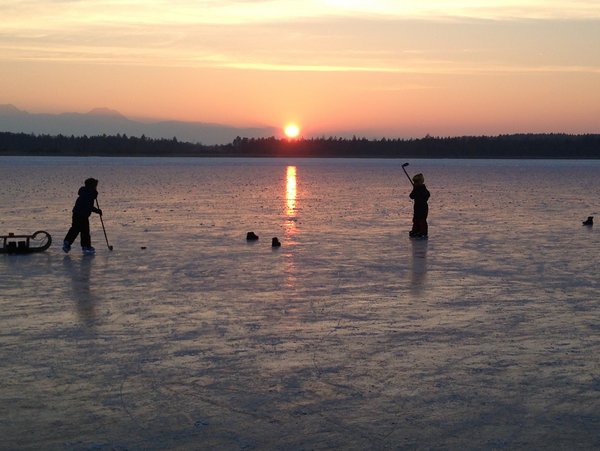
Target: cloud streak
x=114, y=35
x=57, y=14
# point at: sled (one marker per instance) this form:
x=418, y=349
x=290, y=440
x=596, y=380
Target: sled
x=25, y=244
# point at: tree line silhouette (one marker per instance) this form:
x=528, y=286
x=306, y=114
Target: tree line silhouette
x=586, y=146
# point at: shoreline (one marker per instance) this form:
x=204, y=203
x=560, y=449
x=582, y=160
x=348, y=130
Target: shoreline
x=518, y=146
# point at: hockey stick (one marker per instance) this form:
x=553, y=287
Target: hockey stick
x=409, y=179
x=110, y=248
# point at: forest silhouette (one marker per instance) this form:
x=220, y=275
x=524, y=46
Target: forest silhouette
x=515, y=146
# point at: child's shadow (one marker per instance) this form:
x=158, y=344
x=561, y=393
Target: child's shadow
x=418, y=269
x=80, y=272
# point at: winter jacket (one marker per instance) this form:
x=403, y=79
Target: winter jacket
x=84, y=205
x=420, y=195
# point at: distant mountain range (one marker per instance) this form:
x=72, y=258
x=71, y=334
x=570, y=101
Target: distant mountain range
x=100, y=121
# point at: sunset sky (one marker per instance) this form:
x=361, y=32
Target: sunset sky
x=377, y=68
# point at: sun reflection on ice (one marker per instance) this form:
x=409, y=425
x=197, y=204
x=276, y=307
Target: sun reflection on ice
x=291, y=192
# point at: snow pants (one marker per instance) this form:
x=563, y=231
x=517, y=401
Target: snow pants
x=419, y=226
x=79, y=224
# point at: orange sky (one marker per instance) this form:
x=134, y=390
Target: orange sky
x=373, y=68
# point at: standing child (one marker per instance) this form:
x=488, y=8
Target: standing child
x=420, y=195
x=84, y=206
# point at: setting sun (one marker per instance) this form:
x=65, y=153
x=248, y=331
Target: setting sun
x=291, y=131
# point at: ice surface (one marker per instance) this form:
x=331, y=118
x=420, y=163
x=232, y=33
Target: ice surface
x=349, y=336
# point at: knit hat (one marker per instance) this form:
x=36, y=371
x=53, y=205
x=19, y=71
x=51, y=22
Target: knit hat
x=419, y=179
x=91, y=182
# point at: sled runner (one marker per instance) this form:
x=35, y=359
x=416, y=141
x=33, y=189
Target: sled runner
x=25, y=244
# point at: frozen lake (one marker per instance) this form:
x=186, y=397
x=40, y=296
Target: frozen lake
x=349, y=336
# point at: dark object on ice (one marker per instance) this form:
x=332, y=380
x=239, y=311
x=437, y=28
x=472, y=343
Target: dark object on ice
x=25, y=244
x=143, y=247
x=251, y=236
x=275, y=242
x=589, y=221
